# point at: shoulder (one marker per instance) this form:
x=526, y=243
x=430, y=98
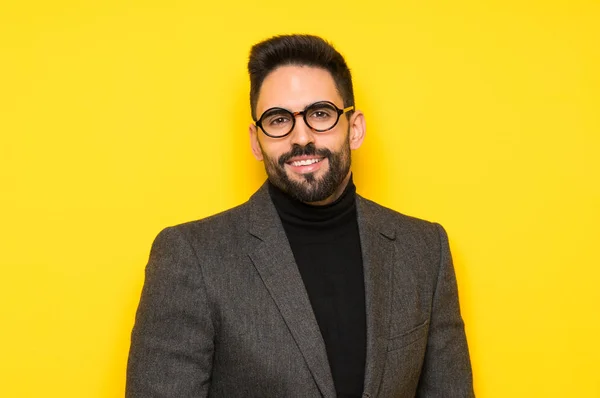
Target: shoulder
x=225, y=220
x=384, y=217
x=225, y=232
x=412, y=234
x=216, y=233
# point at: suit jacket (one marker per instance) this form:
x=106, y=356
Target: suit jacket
x=224, y=311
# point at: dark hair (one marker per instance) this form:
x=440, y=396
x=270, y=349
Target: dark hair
x=301, y=50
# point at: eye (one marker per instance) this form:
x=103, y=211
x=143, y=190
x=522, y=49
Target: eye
x=320, y=114
x=277, y=120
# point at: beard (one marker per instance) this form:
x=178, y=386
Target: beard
x=310, y=188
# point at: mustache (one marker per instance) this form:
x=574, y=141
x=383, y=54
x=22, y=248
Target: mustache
x=308, y=150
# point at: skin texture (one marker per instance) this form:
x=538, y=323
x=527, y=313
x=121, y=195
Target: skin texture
x=294, y=88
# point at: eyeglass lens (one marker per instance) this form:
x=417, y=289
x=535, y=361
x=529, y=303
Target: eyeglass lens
x=321, y=116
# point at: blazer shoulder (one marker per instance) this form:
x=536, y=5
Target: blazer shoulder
x=413, y=234
x=224, y=219
x=384, y=217
x=215, y=233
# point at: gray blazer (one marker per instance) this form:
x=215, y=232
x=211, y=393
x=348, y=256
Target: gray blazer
x=224, y=311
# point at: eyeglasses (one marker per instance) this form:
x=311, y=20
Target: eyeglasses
x=320, y=117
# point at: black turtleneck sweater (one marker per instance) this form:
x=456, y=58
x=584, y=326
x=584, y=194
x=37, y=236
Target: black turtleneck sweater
x=326, y=247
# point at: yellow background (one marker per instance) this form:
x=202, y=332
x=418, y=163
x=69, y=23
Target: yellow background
x=120, y=118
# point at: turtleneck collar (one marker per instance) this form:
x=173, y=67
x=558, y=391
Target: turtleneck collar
x=298, y=214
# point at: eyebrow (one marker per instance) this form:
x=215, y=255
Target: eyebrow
x=276, y=108
x=303, y=109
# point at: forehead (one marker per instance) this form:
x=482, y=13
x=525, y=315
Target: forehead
x=294, y=87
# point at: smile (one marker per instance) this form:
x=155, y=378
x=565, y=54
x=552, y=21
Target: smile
x=305, y=162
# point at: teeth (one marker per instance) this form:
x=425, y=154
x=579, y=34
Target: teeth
x=305, y=162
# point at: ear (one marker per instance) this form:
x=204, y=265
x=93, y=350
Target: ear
x=254, y=144
x=358, y=129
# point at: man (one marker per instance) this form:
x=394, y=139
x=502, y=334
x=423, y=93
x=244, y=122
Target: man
x=307, y=289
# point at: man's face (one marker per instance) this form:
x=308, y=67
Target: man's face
x=312, y=167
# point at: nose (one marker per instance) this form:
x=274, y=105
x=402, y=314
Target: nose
x=301, y=134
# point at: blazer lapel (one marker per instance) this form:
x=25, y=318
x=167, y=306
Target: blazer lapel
x=378, y=257
x=274, y=260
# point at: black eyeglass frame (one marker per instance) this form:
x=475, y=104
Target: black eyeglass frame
x=340, y=112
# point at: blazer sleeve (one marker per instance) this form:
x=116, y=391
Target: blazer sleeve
x=446, y=369
x=172, y=340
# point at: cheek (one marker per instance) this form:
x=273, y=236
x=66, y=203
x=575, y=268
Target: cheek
x=333, y=143
x=274, y=150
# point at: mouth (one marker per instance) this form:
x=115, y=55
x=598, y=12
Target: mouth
x=305, y=164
